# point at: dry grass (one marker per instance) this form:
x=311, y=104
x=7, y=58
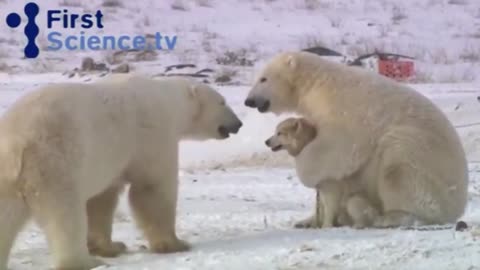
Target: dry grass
x=179, y=5
x=313, y=5
x=207, y=38
x=398, y=15
x=112, y=3
x=475, y=35
x=240, y=57
x=204, y=3
x=458, y=2
x=470, y=54
x=71, y=3
x=335, y=21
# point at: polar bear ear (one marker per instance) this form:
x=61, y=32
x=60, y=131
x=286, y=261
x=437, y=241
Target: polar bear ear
x=193, y=91
x=292, y=62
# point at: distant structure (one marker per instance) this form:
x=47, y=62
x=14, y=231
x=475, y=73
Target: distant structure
x=395, y=66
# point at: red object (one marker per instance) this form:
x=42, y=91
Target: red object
x=396, y=69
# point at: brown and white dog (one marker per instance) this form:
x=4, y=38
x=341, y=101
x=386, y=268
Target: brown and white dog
x=339, y=202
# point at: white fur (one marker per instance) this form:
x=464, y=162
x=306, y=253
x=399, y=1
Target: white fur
x=64, y=144
x=397, y=143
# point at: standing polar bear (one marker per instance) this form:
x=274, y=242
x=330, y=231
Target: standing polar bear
x=66, y=150
x=395, y=141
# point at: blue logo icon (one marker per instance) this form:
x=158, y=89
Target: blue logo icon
x=64, y=19
x=31, y=29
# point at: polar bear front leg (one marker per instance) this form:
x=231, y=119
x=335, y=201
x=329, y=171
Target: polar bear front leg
x=316, y=220
x=100, y=210
x=153, y=199
x=62, y=215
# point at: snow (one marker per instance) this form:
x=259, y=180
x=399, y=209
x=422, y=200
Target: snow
x=238, y=203
x=237, y=200
x=442, y=34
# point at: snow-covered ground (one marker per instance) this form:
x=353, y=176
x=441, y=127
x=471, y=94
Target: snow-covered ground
x=443, y=35
x=238, y=203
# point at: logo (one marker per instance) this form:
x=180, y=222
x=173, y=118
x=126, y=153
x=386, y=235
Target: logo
x=65, y=20
x=31, y=29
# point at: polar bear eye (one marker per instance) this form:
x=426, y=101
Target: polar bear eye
x=262, y=80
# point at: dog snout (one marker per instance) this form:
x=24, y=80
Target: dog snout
x=268, y=142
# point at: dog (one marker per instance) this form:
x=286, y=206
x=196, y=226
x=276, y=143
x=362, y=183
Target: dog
x=339, y=202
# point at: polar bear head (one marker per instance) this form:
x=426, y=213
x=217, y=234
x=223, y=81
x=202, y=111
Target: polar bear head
x=213, y=118
x=278, y=88
x=292, y=134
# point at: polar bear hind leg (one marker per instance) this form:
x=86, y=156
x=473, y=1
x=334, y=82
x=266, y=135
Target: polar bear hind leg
x=413, y=182
x=63, y=218
x=13, y=216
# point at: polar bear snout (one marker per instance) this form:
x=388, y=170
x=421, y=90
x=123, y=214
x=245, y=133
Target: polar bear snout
x=260, y=103
x=225, y=130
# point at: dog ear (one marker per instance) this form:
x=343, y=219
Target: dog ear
x=308, y=127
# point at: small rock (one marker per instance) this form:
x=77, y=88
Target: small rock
x=123, y=68
x=461, y=226
x=223, y=79
x=101, y=67
x=88, y=64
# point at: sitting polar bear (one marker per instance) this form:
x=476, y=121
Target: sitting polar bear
x=66, y=148
x=339, y=202
x=396, y=142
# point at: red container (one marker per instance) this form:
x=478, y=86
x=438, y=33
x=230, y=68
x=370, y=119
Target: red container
x=399, y=70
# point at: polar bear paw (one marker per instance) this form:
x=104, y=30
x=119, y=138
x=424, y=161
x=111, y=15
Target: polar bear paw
x=86, y=264
x=309, y=223
x=176, y=245
x=109, y=250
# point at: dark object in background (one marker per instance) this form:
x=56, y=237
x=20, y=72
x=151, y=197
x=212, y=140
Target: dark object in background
x=381, y=56
x=180, y=66
x=322, y=51
x=461, y=226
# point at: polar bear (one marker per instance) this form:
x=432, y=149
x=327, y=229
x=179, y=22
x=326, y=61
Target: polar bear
x=392, y=139
x=68, y=144
x=339, y=202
